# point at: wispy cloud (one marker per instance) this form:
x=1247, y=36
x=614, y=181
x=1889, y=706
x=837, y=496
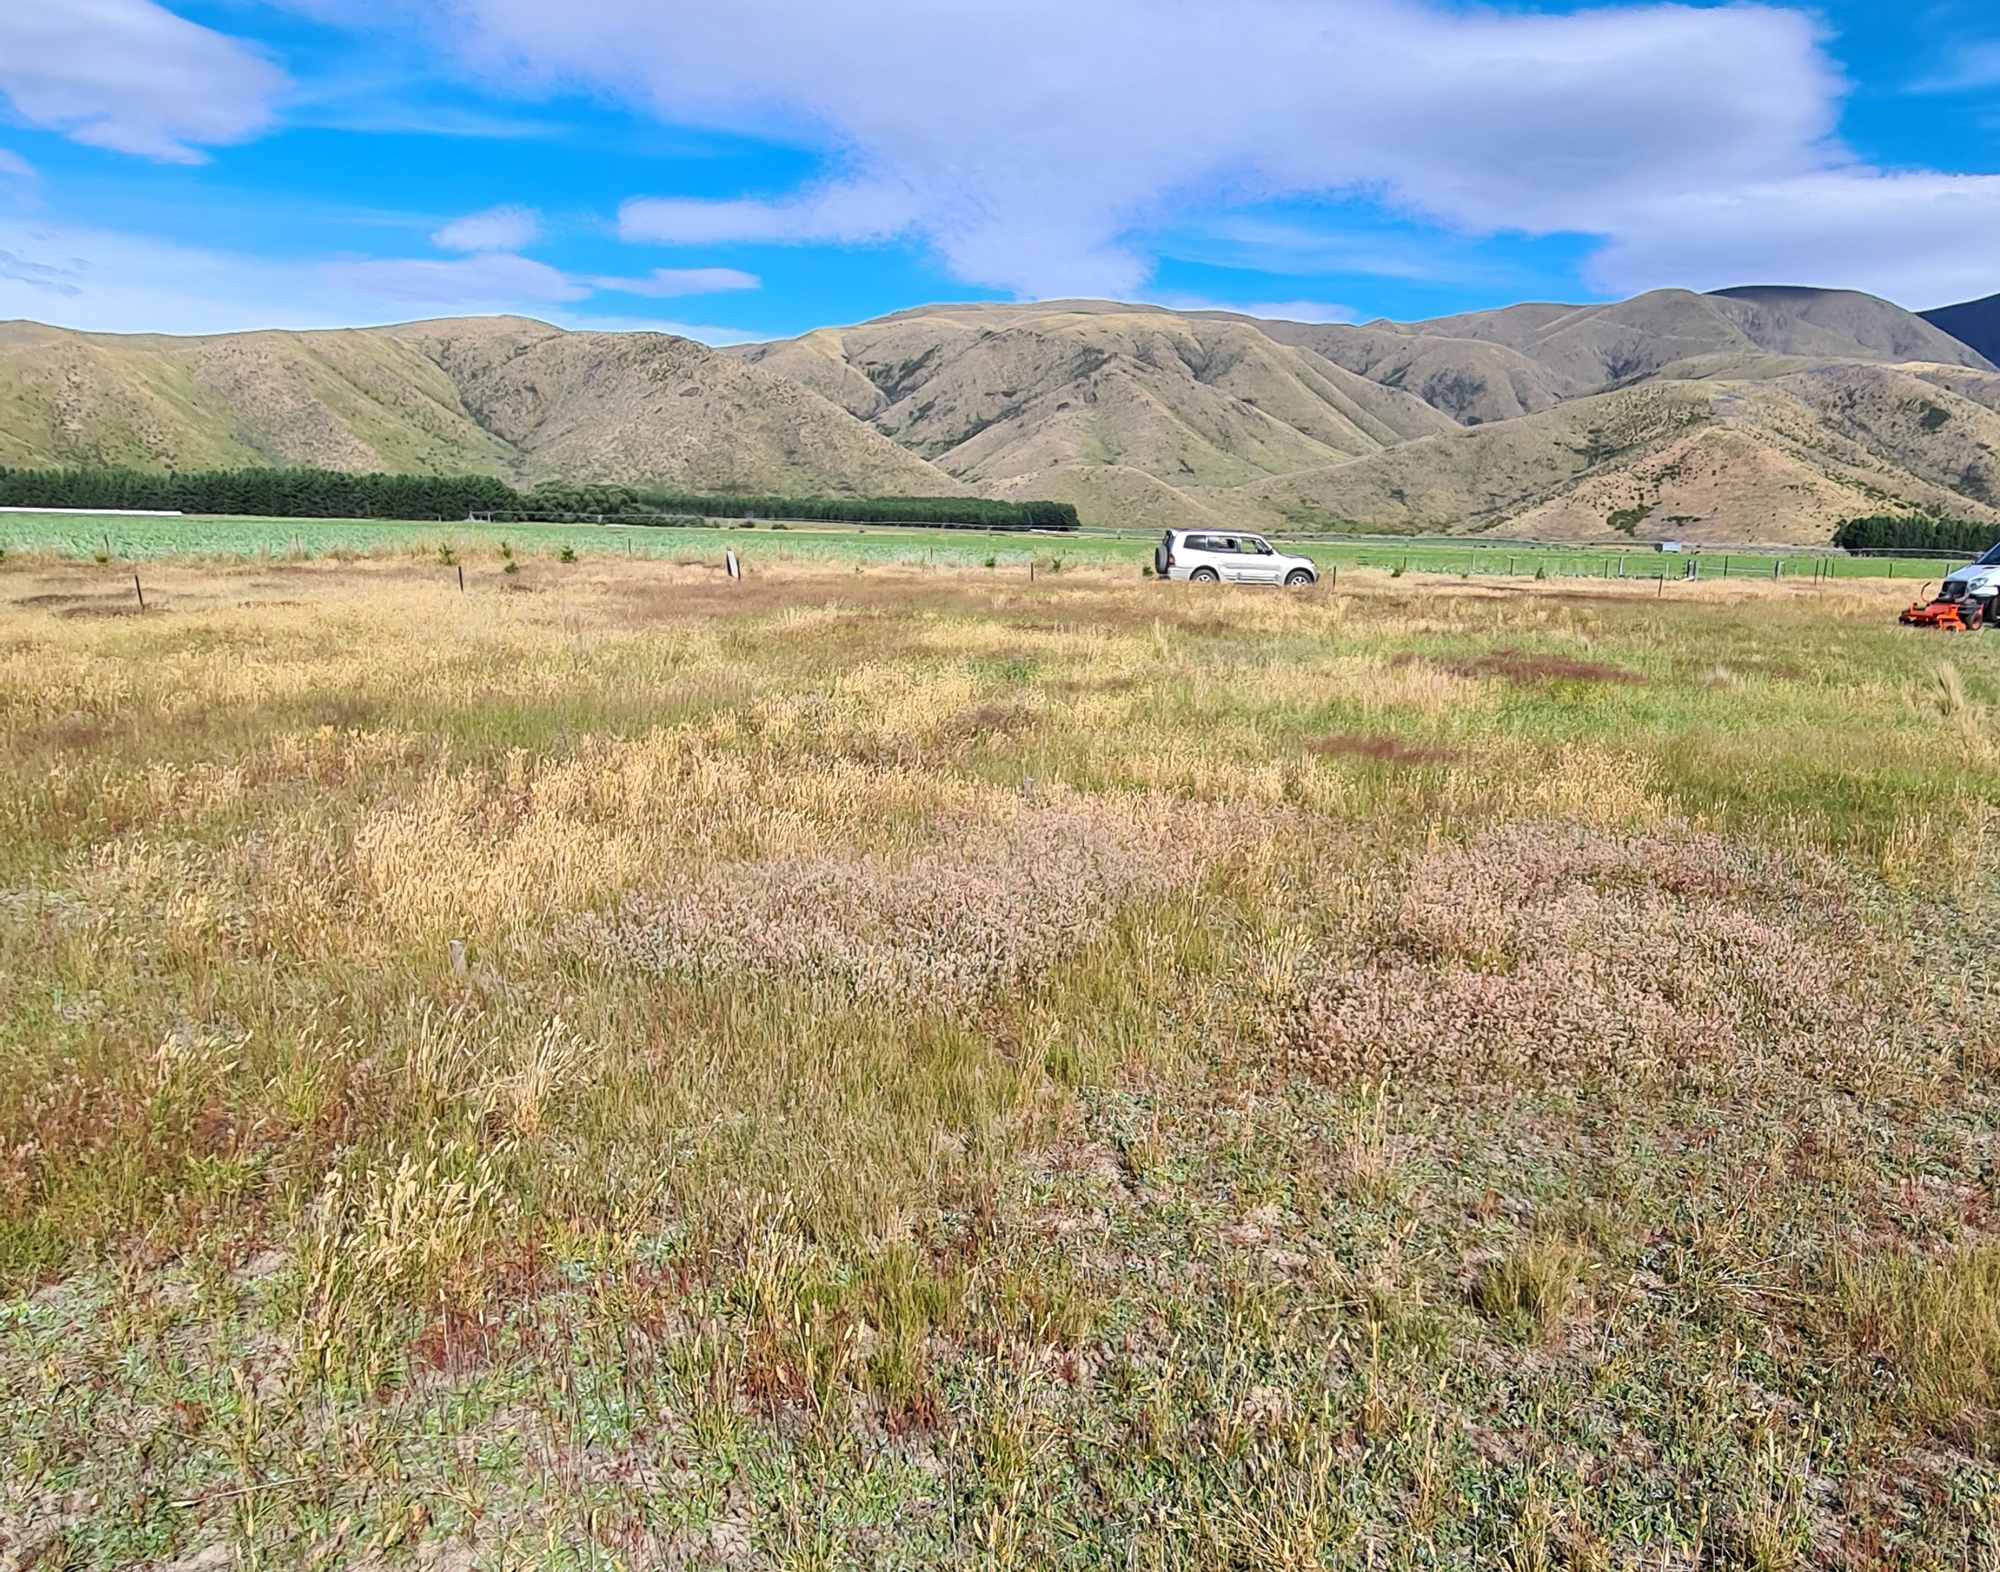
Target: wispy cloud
x=17, y=176
x=1972, y=67
x=665, y=283
x=50, y=279
x=475, y=281
x=1273, y=310
x=132, y=76
x=496, y=229
x=1361, y=241
x=107, y=281
x=853, y=212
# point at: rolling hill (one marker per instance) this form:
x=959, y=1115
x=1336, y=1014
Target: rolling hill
x=496, y=396
x=1778, y=460
x=1758, y=413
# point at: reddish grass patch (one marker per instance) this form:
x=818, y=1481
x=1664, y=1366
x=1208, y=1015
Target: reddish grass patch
x=73, y=731
x=1383, y=750
x=1000, y=718
x=456, y=1340
x=1524, y=670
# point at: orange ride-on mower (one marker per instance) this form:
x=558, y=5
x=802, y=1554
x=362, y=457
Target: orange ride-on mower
x=1951, y=610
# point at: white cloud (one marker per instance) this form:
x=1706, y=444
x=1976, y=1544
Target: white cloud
x=702, y=332
x=1270, y=310
x=17, y=175
x=853, y=211
x=471, y=282
x=1035, y=144
x=665, y=283
x=1971, y=67
x=1920, y=238
x=109, y=282
x=496, y=229
x=132, y=76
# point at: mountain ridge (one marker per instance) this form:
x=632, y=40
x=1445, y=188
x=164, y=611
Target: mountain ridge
x=1509, y=370
x=1757, y=412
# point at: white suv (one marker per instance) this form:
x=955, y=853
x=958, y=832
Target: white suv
x=1207, y=556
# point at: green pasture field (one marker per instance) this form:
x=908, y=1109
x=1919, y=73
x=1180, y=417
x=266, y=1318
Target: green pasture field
x=140, y=539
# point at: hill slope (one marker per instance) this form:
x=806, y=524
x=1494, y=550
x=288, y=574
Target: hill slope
x=350, y=401
x=500, y=396
x=1974, y=323
x=1780, y=460
x=1041, y=399
x=1781, y=410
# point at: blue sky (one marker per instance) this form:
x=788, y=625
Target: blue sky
x=750, y=168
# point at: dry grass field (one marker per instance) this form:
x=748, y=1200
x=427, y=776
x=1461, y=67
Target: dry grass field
x=884, y=1067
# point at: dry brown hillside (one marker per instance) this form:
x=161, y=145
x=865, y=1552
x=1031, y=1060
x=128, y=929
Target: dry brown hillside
x=1781, y=460
x=661, y=410
x=1012, y=398
x=1585, y=349
x=496, y=395
x=1758, y=414
x=1474, y=383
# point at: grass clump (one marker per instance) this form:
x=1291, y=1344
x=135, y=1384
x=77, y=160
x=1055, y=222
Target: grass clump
x=1934, y=1326
x=1532, y=1289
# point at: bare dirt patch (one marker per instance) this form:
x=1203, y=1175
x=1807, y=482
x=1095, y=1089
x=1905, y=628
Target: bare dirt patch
x=992, y=718
x=102, y=609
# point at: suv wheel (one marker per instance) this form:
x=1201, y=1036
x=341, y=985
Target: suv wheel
x=1205, y=576
x=1298, y=578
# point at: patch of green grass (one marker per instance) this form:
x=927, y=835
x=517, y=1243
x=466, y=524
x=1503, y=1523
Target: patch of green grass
x=140, y=539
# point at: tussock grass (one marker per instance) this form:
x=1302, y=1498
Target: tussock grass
x=907, y=1068
x=1935, y=1328
x=1534, y=1286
